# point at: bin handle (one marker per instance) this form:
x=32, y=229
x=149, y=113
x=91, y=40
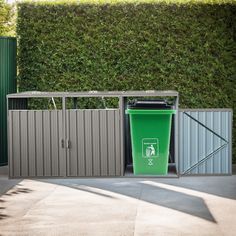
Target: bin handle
x=62, y=143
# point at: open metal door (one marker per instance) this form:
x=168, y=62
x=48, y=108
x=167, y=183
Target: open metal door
x=205, y=138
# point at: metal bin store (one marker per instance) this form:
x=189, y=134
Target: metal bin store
x=65, y=140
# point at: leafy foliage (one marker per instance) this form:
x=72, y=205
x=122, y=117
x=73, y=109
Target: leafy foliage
x=137, y=45
x=7, y=17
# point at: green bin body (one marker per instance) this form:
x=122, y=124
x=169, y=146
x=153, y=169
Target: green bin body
x=150, y=138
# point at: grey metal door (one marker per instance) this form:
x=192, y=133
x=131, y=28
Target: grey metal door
x=93, y=142
x=34, y=143
x=205, y=141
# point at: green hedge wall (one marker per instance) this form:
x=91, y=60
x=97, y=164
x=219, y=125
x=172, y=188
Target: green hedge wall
x=131, y=46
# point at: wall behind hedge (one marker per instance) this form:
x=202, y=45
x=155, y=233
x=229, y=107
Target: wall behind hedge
x=188, y=47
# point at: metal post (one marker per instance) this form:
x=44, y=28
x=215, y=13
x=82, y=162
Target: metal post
x=74, y=102
x=177, y=135
x=122, y=136
x=64, y=135
x=230, y=140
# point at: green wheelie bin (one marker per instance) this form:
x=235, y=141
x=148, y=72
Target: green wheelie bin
x=150, y=127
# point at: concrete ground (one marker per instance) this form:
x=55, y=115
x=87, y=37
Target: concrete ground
x=119, y=206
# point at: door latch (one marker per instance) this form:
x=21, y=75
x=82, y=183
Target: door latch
x=62, y=143
x=68, y=144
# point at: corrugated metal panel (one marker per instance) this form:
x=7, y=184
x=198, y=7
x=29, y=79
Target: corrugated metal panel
x=7, y=85
x=34, y=143
x=94, y=143
x=205, y=141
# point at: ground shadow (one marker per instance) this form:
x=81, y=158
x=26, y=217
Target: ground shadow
x=17, y=189
x=215, y=185
x=3, y=216
x=7, y=184
x=182, y=202
x=168, y=198
x=91, y=191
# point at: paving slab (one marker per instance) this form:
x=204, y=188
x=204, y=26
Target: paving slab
x=120, y=206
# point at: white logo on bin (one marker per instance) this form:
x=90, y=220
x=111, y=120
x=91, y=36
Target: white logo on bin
x=150, y=148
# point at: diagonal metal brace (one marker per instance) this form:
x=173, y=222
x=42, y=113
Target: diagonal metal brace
x=205, y=158
x=200, y=123
x=212, y=153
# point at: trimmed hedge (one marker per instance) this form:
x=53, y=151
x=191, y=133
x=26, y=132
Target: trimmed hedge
x=186, y=47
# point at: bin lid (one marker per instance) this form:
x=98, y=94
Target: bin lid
x=149, y=104
x=150, y=112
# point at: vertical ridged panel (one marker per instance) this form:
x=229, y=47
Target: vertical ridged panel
x=88, y=142
x=24, y=143
x=7, y=85
x=118, y=144
x=47, y=143
x=54, y=143
x=39, y=143
x=181, y=142
x=72, y=167
x=103, y=138
x=10, y=154
x=34, y=143
x=111, y=143
x=227, y=121
x=81, y=143
x=230, y=131
x=95, y=142
x=224, y=134
x=197, y=142
x=123, y=135
x=217, y=143
x=209, y=141
x=202, y=142
x=193, y=154
x=62, y=154
x=31, y=143
x=16, y=143
x=185, y=161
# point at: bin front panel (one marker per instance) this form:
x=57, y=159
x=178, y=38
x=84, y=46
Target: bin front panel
x=150, y=134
